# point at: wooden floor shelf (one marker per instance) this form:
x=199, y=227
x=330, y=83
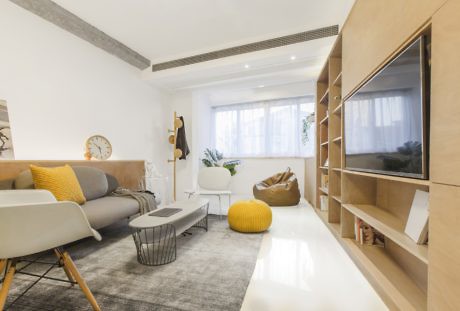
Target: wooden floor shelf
x=388, y=275
x=324, y=190
x=337, y=169
x=337, y=139
x=325, y=143
x=388, y=177
x=390, y=226
x=324, y=168
x=338, y=198
x=325, y=98
x=325, y=120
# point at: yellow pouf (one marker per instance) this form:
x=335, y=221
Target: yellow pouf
x=250, y=216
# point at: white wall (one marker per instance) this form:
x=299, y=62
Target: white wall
x=61, y=90
x=194, y=106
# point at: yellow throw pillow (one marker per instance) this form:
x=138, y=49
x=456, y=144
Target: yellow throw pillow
x=60, y=181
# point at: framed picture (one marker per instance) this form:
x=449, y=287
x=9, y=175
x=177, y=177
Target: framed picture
x=6, y=141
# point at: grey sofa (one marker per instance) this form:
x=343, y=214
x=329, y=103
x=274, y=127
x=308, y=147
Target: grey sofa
x=101, y=209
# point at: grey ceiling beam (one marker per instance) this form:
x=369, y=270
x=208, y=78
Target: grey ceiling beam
x=68, y=21
x=251, y=47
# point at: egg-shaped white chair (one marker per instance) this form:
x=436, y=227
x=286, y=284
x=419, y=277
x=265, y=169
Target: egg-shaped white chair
x=214, y=181
x=32, y=221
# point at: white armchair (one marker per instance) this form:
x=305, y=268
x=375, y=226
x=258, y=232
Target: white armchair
x=32, y=221
x=214, y=181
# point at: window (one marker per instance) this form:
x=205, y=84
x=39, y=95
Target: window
x=262, y=129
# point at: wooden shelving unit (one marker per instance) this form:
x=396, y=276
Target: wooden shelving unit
x=398, y=271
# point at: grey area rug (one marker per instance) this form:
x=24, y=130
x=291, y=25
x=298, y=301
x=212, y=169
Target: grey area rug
x=211, y=272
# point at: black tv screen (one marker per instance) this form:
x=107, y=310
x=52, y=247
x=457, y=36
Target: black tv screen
x=385, y=119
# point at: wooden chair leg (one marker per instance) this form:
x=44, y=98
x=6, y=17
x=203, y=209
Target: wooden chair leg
x=7, y=284
x=66, y=270
x=2, y=265
x=70, y=265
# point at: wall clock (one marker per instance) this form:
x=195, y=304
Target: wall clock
x=98, y=147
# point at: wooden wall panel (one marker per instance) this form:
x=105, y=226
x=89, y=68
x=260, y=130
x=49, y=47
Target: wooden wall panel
x=445, y=86
x=444, y=248
x=128, y=173
x=375, y=30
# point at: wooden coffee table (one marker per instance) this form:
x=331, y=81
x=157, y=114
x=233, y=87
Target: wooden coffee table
x=155, y=237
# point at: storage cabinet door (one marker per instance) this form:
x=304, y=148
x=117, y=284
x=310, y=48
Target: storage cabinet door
x=444, y=248
x=445, y=97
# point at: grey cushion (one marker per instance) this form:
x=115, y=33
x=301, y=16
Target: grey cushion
x=108, y=210
x=92, y=181
x=24, y=180
x=112, y=182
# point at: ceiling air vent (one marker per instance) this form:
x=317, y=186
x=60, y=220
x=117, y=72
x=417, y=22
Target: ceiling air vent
x=251, y=47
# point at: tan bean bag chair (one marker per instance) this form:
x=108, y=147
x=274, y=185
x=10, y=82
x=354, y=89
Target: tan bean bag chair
x=281, y=189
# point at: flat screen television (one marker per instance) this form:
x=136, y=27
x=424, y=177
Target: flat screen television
x=385, y=121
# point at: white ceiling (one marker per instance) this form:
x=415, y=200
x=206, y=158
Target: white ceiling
x=168, y=29
x=163, y=30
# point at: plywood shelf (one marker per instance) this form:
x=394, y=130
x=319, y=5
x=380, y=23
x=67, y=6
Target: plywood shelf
x=338, y=80
x=325, y=98
x=338, y=198
x=338, y=109
x=324, y=120
x=390, y=226
x=324, y=190
x=413, y=181
x=324, y=168
x=337, y=139
x=391, y=278
x=337, y=169
x=325, y=143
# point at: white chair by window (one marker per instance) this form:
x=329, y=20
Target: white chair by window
x=32, y=221
x=214, y=181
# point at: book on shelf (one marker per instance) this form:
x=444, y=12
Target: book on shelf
x=417, y=222
x=325, y=181
x=324, y=202
x=367, y=235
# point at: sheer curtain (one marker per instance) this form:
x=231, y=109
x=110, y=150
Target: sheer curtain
x=261, y=129
x=382, y=121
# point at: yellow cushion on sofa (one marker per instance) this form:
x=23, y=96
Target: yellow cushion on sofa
x=250, y=216
x=60, y=181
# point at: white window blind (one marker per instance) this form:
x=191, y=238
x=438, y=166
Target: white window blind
x=262, y=129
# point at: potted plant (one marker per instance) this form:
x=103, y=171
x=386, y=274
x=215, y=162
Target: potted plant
x=213, y=158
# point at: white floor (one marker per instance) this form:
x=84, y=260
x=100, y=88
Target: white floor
x=301, y=266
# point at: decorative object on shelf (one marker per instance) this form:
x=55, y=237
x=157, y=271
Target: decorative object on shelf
x=307, y=122
x=324, y=202
x=326, y=163
x=6, y=142
x=177, y=152
x=213, y=158
x=325, y=181
x=367, y=235
x=98, y=147
x=417, y=222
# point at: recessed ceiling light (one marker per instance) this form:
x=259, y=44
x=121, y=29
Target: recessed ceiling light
x=261, y=85
x=293, y=57
x=247, y=66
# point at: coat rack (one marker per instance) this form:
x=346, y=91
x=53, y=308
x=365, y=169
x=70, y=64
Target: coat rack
x=177, y=153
